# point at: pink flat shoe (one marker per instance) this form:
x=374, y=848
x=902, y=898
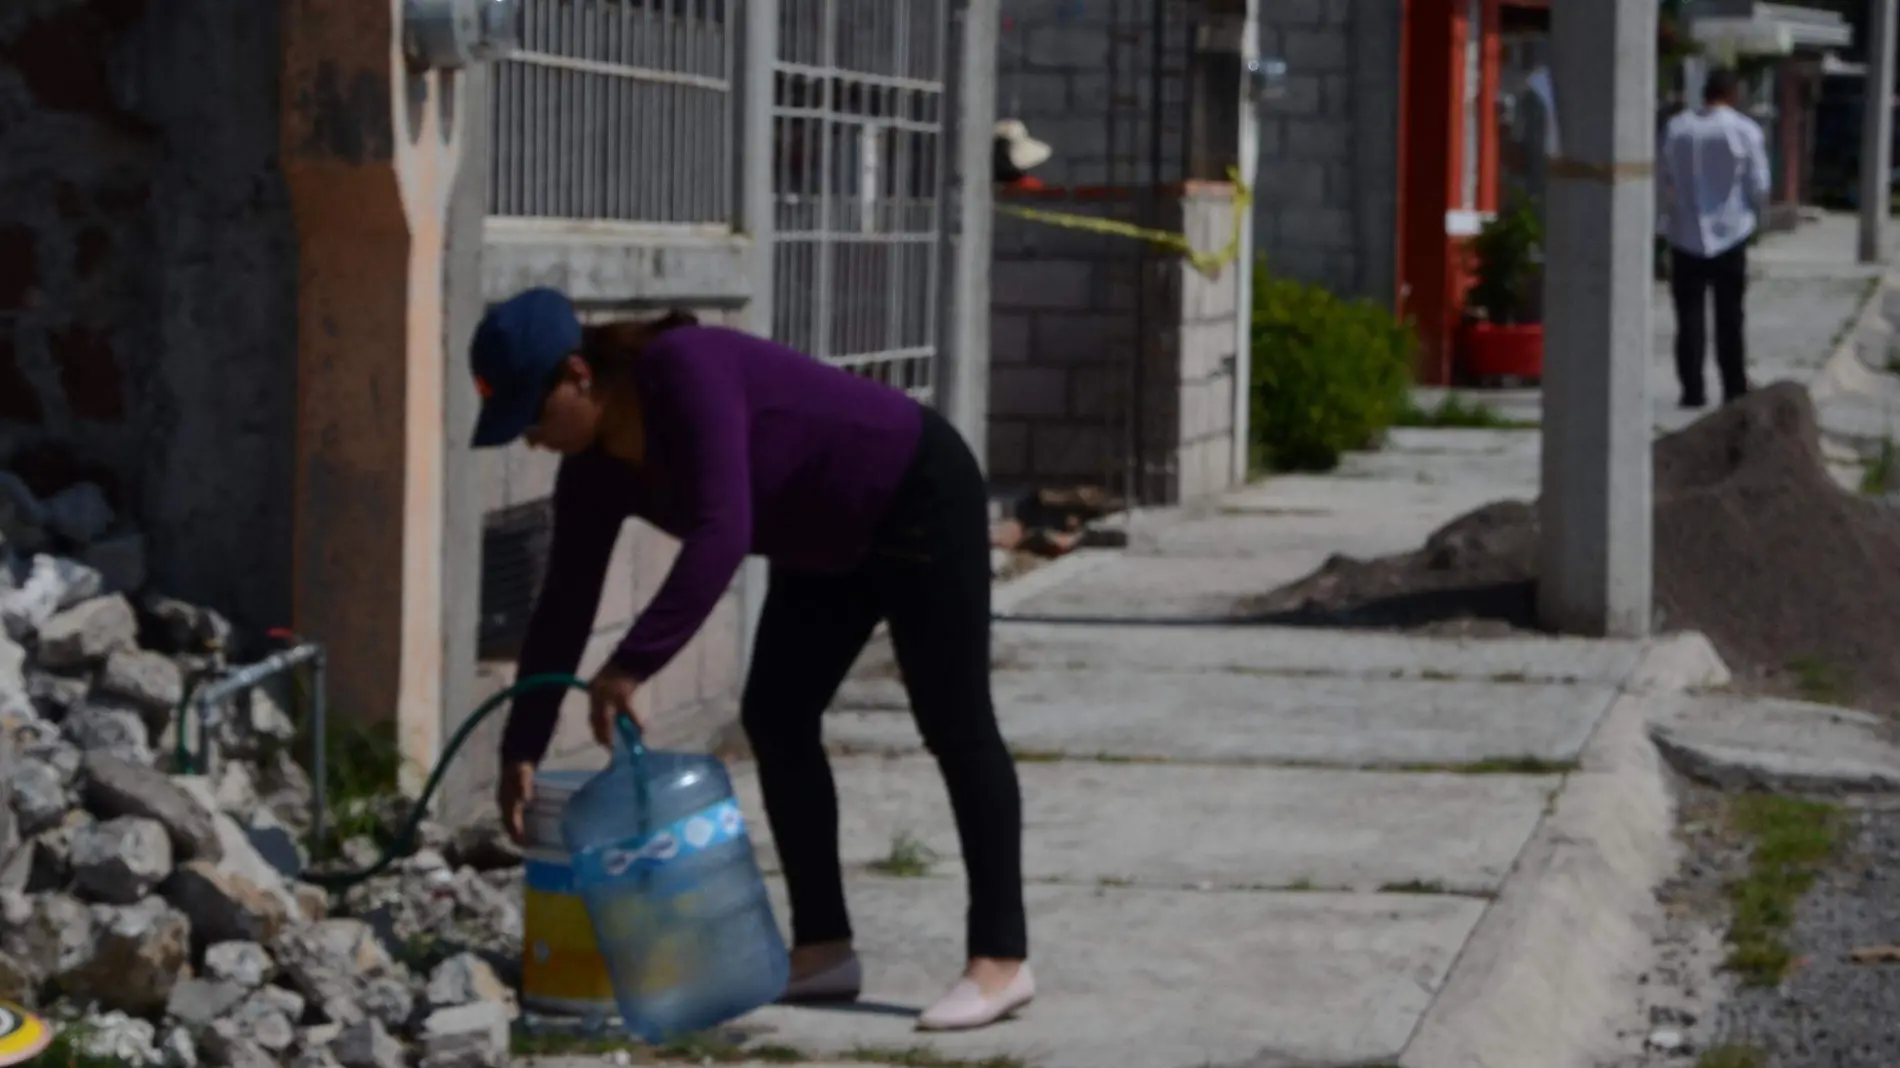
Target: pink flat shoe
x=965, y=1008
x=843, y=981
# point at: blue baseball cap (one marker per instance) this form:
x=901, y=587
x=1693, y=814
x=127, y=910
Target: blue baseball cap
x=516, y=349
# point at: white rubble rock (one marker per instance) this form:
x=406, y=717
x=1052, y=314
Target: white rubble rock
x=51, y=585
x=115, y=1036
x=245, y=964
x=88, y=632
x=103, y=728
x=367, y=1044
x=119, y=861
x=149, y=682
x=466, y=1036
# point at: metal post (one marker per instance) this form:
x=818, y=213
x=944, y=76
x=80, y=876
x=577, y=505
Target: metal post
x=1249, y=167
x=963, y=376
x=1876, y=139
x=319, y=749
x=756, y=165
x=1595, y=517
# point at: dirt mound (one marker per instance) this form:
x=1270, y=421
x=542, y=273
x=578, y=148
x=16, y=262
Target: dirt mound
x=1795, y=580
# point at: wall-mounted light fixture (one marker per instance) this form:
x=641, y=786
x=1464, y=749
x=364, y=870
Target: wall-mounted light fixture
x=1266, y=77
x=451, y=34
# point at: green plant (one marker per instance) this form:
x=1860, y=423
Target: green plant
x=1329, y=375
x=1454, y=412
x=1880, y=470
x=909, y=858
x=1506, y=255
x=1793, y=838
x=1732, y=1056
x=1818, y=681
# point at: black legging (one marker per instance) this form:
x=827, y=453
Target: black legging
x=928, y=574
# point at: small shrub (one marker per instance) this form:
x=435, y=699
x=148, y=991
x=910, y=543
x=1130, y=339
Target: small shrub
x=1329, y=375
x=1506, y=256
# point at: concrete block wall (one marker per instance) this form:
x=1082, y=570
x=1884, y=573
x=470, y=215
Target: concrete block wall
x=1054, y=74
x=1203, y=366
x=1327, y=203
x=1065, y=333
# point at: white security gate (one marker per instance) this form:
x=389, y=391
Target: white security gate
x=618, y=111
x=859, y=175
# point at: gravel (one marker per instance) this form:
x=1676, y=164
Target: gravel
x=1833, y=1012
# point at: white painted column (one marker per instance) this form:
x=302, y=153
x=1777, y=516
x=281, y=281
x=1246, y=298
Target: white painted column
x=1595, y=552
x=1876, y=157
x=1249, y=151
x=757, y=153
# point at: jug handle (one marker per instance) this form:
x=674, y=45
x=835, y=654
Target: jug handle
x=628, y=739
x=627, y=732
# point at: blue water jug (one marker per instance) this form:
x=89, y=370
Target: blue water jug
x=663, y=862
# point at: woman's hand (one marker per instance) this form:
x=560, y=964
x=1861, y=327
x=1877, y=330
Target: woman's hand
x=512, y=795
x=611, y=695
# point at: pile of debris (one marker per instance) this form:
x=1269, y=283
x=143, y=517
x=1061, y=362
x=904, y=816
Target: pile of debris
x=1755, y=546
x=161, y=912
x=1048, y=523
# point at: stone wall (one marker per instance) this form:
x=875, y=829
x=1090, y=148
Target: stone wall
x=1066, y=326
x=147, y=280
x=1328, y=181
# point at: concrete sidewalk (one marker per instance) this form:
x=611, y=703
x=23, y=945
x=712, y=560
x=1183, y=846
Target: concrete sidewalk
x=1804, y=304
x=1278, y=847
x=1246, y=845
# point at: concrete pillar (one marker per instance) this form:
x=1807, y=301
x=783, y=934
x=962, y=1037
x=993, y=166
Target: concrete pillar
x=1876, y=156
x=1595, y=512
x=1249, y=167
x=757, y=153
x=963, y=366
x=370, y=153
x=462, y=465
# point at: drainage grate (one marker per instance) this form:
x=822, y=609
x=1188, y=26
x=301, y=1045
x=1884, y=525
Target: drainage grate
x=514, y=559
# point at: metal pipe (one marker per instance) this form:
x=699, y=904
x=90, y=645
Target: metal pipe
x=206, y=701
x=319, y=750
x=251, y=674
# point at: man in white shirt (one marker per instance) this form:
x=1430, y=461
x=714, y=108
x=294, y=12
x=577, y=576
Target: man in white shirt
x=1713, y=175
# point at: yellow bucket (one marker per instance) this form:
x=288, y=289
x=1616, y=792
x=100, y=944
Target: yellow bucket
x=562, y=971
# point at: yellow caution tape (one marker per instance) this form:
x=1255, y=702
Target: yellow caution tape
x=1208, y=263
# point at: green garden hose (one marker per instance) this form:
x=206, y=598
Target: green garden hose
x=405, y=839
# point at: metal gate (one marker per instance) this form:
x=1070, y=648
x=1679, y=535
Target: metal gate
x=617, y=111
x=859, y=173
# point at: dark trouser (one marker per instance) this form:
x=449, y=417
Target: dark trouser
x=1692, y=280
x=928, y=574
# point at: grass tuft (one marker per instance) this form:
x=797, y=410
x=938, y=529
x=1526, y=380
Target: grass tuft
x=1793, y=839
x=1455, y=412
x=1818, y=681
x=1732, y=1056
x=1879, y=472
x=909, y=858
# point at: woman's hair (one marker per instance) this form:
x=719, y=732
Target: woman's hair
x=611, y=348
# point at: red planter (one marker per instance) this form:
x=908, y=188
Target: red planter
x=1493, y=351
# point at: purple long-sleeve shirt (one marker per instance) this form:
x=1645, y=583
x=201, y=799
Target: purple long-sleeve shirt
x=751, y=447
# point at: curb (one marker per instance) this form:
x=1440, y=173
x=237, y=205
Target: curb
x=1845, y=374
x=1554, y=966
